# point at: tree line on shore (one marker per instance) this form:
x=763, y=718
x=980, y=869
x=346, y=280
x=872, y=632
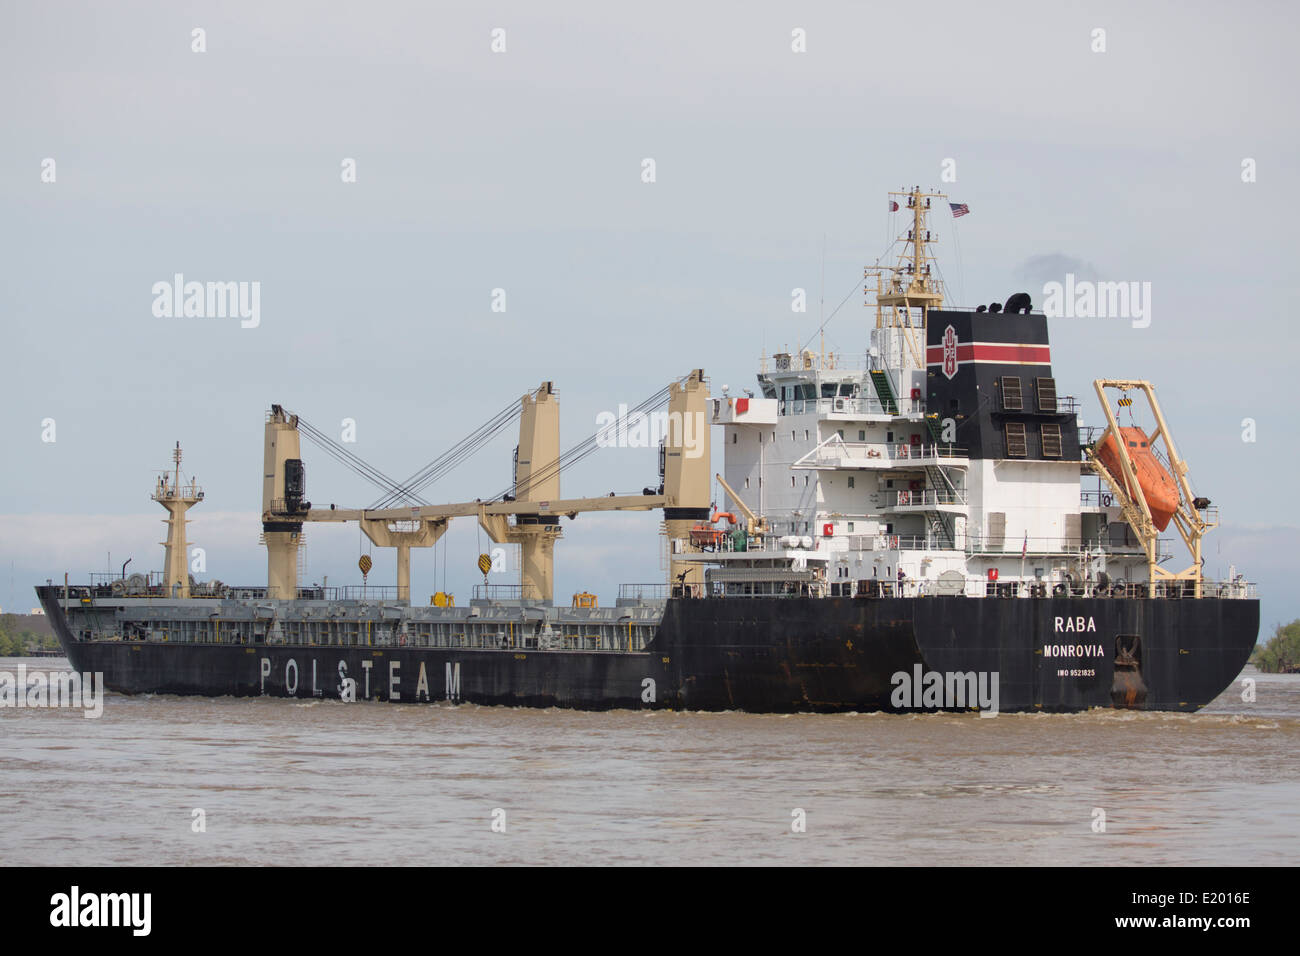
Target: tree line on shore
x=1281, y=655
x=19, y=641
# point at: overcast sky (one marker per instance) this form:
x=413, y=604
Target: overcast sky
x=522, y=170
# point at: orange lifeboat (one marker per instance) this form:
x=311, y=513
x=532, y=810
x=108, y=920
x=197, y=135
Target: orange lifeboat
x=706, y=536
x=1156, y=485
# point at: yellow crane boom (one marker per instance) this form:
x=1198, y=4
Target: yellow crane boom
x=753, y=523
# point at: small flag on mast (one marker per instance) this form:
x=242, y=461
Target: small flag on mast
x=893, y=206
x=1024, y=548
x=958, y=209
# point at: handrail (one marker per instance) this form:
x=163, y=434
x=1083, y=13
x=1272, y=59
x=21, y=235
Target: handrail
x=836, y=449
x=506, y=592
x=644, y=592
x=927, y=496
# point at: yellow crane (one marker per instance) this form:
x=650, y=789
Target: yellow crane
x=755, y=526
x=536, y=505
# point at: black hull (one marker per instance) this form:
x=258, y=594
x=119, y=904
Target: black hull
x=750, y=654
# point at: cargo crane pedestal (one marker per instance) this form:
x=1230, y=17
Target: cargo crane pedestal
x=687, y=474
x=283, y=507
x=383, y=535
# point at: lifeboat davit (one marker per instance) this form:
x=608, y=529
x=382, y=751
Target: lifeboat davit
x=1156, y=485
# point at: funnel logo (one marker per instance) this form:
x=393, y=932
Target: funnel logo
x=949, y=352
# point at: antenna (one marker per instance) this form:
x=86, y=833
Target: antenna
x=909, y=285
x=821, y=306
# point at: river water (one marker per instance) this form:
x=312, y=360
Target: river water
x=323, y=782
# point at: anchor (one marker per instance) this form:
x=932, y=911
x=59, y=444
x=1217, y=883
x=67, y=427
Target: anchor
x=1127, y=691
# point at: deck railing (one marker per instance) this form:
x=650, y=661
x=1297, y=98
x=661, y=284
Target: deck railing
x=644, y=592
x=506, y=592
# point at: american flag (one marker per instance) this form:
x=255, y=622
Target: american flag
x=958, y=209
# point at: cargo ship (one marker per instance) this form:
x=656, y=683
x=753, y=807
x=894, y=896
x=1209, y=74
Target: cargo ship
x=926, y=526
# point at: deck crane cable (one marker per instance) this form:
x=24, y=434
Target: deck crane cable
x=348, y=459
x=455, y=456
x=581, y=450
x=458, y=453
x=462, y=451
x=588, y=445
x=342, y=455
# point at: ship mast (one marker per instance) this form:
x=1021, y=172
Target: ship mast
x=909, y=284
x=177, y=499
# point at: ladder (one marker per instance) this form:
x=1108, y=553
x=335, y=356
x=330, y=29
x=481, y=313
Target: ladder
x=938, y=526
x=884, y=389
x=934, y=428
x=938, y=478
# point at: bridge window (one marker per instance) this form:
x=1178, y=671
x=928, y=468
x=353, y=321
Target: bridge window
x=850, y=481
